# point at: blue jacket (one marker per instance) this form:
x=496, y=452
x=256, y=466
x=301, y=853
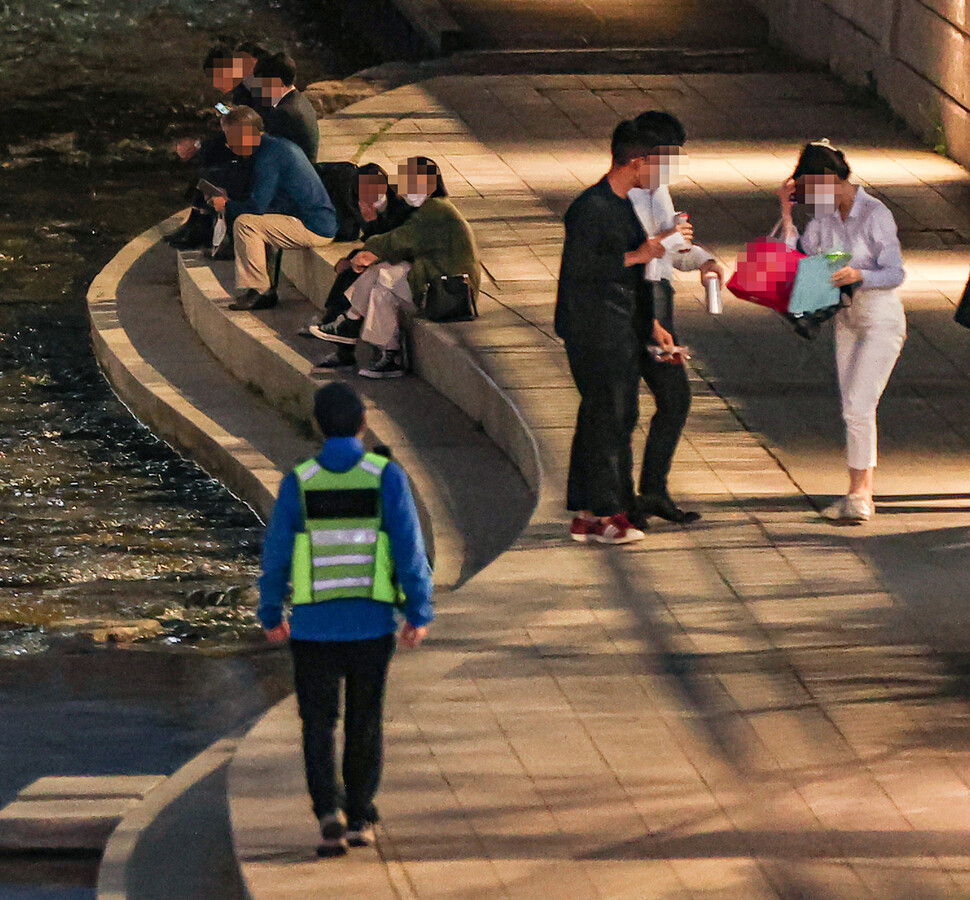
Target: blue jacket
x=284, y=182
x=351, y=619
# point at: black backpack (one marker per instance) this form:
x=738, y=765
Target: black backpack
x=340, y=180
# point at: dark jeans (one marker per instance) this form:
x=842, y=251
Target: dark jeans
x=667, y=382
x=337, y=302
x=671, y=391
x=318, y=670
x=601, y=461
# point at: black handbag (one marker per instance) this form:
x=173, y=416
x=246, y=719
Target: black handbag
x=962, y=315
x=449, y=299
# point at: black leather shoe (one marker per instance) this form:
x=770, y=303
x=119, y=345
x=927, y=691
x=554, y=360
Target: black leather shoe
x=253, y=300
x=661, y=505
x=194, y=234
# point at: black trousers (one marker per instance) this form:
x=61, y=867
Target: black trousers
x=601, y=461
x=337, y=302
x=667, y=382
x=671, y=392
x=319, y=668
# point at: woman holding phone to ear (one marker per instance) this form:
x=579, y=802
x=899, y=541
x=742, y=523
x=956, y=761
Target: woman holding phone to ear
x=871, y=330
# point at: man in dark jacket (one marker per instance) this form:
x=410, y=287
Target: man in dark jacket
x=597, y=317
x=286, y=112
x=288, y=207
x=229, y=71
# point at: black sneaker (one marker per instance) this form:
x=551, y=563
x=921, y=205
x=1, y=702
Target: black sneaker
x=334, y=835
x=360, y=833
x=340, y=331
x=344, y=358
x=253, y=299
x=387, y=365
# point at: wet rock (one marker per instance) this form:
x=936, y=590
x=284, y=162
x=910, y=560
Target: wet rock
x=57, y=143
x=107, y=631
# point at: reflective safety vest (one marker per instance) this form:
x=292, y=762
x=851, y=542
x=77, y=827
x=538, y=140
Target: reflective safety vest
x=343, y=552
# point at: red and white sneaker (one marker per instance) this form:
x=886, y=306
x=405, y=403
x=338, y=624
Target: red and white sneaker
x=616, y=530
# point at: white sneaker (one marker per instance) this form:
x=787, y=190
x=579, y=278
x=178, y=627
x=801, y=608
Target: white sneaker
x=853, y=509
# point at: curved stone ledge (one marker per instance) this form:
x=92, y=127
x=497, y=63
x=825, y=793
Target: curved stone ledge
x=154, y=400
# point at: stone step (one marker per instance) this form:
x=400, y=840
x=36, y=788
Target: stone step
x=71, y=812
x=474, y=520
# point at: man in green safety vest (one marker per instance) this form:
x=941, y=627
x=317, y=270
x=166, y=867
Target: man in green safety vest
x=345, y=544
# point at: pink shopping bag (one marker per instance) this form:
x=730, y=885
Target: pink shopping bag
x=765, y=273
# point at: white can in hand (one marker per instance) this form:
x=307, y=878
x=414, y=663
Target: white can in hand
x=712, y=288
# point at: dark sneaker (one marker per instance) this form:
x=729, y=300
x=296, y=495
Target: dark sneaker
x=360, y=833
x=253, y=300
x=344, y=358
x=661, y=505
x=334, y=835
x=340, y=331
x=388, y=365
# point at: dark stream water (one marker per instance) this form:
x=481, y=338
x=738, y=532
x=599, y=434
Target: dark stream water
x=99, y=521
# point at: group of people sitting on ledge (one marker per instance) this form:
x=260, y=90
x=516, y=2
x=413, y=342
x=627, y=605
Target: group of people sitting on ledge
x=261, y=186
x=247, y=77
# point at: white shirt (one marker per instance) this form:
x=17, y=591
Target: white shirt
x=655, y=210
x=869, y=234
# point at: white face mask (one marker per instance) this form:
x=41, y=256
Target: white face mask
x=415, y=200
x=381, y=203
x=822, y=200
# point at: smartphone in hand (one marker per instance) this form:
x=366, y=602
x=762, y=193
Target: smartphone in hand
x=209, y=190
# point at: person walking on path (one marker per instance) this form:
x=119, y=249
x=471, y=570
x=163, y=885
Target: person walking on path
x=603, y=262
x=871, y=329
x=345, y=542
x=666, y=376
x=288, y=206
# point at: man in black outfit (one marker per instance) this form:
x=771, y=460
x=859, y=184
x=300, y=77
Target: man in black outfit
x=598, y=319
x=286, y=111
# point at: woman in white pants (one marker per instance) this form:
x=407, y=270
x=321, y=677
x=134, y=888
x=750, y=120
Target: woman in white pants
x=871, y=329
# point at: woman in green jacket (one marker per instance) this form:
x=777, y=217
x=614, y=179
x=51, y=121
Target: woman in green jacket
x=398, y=266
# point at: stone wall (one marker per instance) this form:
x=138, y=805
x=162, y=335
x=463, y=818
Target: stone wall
x=915, y=52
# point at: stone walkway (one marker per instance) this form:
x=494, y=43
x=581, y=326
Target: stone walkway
x=759, y=706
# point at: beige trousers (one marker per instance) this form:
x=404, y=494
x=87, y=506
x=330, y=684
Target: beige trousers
x=251, y=234
x=378, y=296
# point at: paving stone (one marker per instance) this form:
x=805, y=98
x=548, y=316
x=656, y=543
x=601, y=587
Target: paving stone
x=741, y=709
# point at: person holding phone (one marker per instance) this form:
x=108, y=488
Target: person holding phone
x=871, y=329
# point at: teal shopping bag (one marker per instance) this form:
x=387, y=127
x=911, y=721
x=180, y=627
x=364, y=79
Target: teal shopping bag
x=813, y=289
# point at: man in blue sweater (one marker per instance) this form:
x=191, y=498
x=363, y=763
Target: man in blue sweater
x=288, y=205
x=344, y=542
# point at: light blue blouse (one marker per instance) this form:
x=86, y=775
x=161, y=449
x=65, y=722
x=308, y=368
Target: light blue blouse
x=869, y=234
